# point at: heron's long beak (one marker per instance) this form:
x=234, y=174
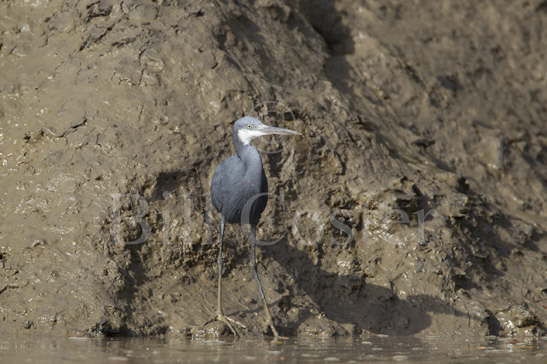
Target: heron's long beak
x=267, y=130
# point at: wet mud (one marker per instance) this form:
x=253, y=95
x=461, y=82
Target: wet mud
x=413, y=204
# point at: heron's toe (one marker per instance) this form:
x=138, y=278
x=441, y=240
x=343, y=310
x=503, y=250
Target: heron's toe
x=235, y=322
x=230, y=323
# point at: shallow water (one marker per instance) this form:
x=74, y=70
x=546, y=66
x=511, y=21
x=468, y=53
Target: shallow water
x=375, y=349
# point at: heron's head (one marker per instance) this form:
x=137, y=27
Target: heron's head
x=248, y=128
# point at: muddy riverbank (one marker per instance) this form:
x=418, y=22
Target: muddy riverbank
x=414, y=203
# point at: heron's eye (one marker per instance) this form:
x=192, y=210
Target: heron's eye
x=250, y=126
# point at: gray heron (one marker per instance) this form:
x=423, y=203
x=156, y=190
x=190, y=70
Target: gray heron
x=239, y=191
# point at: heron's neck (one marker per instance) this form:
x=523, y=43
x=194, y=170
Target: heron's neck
x=238, y=143
x=248, y=154
x=241, y=146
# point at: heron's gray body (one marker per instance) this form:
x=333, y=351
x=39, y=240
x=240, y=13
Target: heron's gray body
x=239, y=180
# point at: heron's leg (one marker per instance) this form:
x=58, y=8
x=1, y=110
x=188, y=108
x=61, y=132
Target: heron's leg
x=220, y=313
x=220, y=267
x=259, y=284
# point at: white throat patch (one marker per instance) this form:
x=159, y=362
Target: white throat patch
x=246, y=135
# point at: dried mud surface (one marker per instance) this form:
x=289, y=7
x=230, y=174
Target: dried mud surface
x=415, y=202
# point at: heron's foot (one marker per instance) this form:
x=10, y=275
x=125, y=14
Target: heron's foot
x=222, y=317
x=225, y=319
x=277, y=337
x=230, y=322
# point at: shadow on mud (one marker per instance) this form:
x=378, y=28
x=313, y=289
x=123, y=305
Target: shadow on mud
x=348, y=299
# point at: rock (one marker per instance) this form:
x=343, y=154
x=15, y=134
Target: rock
x=321, y=327
x=212, y=329
x=518, y=316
